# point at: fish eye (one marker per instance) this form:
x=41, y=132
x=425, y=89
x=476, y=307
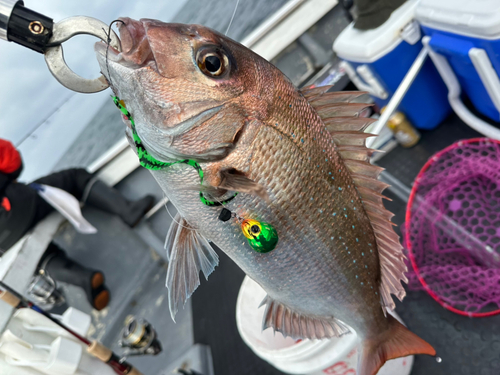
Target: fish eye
x=212, y=61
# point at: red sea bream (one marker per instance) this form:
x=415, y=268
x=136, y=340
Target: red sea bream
x=297, y=159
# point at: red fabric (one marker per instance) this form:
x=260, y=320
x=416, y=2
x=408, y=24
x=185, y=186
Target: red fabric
x=10, y=159
x=6, y=204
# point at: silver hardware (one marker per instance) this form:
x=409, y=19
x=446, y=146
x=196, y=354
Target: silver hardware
x=139, y=338
x=54, y=56
x=6, y=7
x=44, y=290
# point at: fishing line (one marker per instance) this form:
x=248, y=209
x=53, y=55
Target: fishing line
x=262, y=237
x=108, y=42
x=234, y=12
x=173, y=218
x=151, y=163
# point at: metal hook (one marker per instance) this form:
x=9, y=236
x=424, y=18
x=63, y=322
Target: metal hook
x=54, y=56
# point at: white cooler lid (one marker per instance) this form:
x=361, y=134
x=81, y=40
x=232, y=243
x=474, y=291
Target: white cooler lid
x=366, y=46
x=474, y=18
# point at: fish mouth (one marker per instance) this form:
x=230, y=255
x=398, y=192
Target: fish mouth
x=137, y=53
x=136, y=50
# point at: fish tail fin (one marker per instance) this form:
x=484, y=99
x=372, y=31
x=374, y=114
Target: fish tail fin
x=396, y=342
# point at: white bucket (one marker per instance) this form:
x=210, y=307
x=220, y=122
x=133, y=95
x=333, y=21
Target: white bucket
x=337, y=356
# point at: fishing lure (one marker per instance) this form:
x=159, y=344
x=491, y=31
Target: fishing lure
x=262, y=237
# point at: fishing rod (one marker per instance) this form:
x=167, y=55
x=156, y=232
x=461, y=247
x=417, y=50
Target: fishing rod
x=94, y=348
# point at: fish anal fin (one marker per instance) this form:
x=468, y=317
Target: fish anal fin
x=188, y=253
x=397, y=342
x=232, y=180
x=290, y=323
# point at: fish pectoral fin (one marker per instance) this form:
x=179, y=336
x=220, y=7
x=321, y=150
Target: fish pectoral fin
x=188, y=253
x=232, y=180
x=299, y=326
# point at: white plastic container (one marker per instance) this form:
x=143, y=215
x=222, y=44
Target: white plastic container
x=337, y=356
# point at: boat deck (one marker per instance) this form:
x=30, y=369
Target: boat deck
x=134, y=263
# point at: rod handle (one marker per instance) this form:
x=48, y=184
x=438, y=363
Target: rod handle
x=9, y=298
x=99, y=351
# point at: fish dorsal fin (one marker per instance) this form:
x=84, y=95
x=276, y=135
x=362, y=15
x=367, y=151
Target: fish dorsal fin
x=348, y=123
x=335, y=97
x=290, y=323
x=188, y=253
x=341, y=118
x=341, y=109
x=310, y=93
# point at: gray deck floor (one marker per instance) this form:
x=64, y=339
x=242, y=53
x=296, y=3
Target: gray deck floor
x=135, y=272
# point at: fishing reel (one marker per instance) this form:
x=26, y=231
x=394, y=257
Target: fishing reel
x=43, y=289
x=138, y=337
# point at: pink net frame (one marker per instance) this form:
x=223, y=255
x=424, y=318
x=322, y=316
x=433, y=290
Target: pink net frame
x=452, y=231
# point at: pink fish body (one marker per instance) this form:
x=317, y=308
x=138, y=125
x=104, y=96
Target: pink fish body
x=298, y=162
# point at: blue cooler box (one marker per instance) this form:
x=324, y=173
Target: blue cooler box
x=377, y=61
x=467, y=33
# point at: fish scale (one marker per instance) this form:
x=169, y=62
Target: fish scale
x=251, y=131
x=298, y=217
x=321, y=195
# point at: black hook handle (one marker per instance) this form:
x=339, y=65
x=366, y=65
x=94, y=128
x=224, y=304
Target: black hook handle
x=25, y=26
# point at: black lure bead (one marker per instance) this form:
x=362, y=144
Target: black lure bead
x=225, y=214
